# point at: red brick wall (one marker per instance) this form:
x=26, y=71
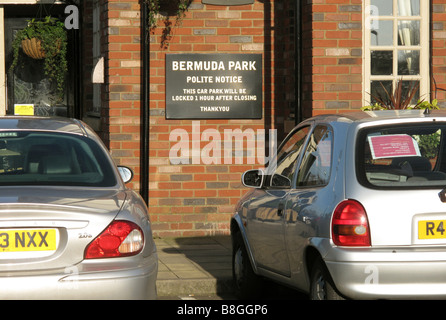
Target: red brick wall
x=438, y=47
x=333, y=32
x=199, y=199
x=333, y=56
x=121, y=115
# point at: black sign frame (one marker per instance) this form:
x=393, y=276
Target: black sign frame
x=214, y=86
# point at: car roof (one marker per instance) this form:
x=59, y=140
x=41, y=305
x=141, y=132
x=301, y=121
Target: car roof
x=370, y=116
x=32, y=123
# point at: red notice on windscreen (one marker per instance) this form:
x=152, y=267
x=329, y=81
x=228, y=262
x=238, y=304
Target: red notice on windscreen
x=393, y=146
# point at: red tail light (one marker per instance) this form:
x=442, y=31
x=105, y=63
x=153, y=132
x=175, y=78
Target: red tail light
x=120, y=239
x=350, y=226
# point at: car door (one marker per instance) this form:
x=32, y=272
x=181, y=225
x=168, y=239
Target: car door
x=308, y=202
x=265, y=225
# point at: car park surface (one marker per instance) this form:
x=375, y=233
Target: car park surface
x=353, y=207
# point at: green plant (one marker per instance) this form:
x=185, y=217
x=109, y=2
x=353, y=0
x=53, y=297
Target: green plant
x=400, y=100
x=428, y=105
x=153, y=8
x=429, y=144
x=397, y=100
x=53, y=40
x=420, y=105
x=175, y=8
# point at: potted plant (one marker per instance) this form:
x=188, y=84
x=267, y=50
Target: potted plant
x=166, y=8
x=400, y=100
x=45, y=39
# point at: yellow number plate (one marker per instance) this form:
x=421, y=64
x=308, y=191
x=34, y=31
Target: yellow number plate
x=28, y=240
x=432, y=229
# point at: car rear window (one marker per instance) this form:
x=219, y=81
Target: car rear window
x=43, y=158
x=408, y=156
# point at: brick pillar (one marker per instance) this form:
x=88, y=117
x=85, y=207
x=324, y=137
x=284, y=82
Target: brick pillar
x=123, y=49
x=333, y=58
x=438, y=69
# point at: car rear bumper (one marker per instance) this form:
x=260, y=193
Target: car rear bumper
x=391, y=273
x=88, y=280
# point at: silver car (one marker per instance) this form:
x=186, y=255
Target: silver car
x=354, y=207
x=69, y=228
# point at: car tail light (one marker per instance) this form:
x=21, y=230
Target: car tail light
x=350, y=226
x=120, y=239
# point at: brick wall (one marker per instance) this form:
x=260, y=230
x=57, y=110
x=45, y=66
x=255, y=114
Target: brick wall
x=438, y=47
x=333, y=56
x=199, y=199
x=122, y=93
x=333, y=53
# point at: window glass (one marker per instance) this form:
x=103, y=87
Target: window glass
x=407, y=87
x=408, y=33
x=384, y=7
x=408, y=8
x=405, y=7
x=379, y=89
x=408, y=62
x=381, y=33
x=403, y=156
x=287, y=158
x=382, y=62
x=40, y=158
x=316, y=163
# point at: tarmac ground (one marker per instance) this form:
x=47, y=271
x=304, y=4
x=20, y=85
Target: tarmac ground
x=201, y=268
x=196, y=266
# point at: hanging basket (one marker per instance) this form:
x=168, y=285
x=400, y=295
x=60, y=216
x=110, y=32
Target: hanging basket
x=32, y=48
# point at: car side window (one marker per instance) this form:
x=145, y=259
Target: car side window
x=287, y=158
x=315, y=167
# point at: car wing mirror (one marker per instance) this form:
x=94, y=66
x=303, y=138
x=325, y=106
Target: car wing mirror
x=253, y=178
x=126, y=173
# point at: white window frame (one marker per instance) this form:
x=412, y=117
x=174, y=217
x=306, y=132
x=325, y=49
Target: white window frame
x=424, y=76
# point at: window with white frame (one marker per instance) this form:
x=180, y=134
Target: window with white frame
x=396, y=48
